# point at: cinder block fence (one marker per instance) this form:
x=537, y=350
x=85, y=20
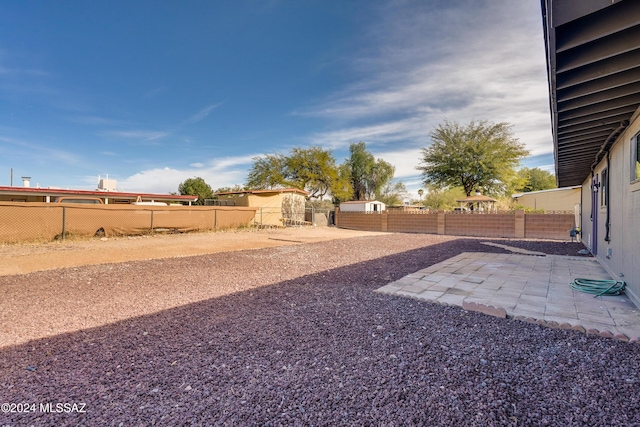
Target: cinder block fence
x=517, y=225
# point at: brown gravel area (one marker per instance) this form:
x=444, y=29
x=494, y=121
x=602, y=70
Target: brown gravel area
x=294, y=335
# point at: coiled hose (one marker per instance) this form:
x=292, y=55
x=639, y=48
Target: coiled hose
x=598, y=287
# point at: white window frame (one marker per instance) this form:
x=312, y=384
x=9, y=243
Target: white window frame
x=633, y=161
x=636, y=157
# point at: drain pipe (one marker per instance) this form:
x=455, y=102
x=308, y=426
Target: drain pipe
x=610, y=139
x=607, y=224
x=604, y=148
x=593, y=208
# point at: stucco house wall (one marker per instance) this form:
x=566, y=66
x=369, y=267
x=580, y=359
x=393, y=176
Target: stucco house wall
x=621, y=252
x=591, y=51
x=272, y=208
x=240, y=200
x=273, y=205
x=269, y=208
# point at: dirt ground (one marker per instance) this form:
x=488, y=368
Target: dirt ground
x=22, y=259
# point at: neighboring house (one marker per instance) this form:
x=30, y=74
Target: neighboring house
x=406, y=208
x=555, y=199
x=49, y=195
x=593, y=65
x=278, y=206
x=477, y=203
x=368, y=206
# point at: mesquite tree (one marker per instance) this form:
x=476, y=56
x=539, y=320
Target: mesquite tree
x=481, y=155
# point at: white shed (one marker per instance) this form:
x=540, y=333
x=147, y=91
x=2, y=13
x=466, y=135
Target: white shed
x=368, y=206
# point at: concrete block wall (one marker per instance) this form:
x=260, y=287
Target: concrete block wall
x=490, y=225
x=517, y=225
x=361, y=221
x=412, y=223
x=548, y=226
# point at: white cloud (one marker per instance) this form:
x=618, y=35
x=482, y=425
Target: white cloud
x=95, y=120
x=22, y=71
x=405, y=161
x=474, y=62
x=202, y=114
x=217, y=172
x=410, y=128
x=145, y=135
x=549, y=168
x=232, y=161
x=461, y=61
x=152, y=93
x=158, y=180
x=41, y=153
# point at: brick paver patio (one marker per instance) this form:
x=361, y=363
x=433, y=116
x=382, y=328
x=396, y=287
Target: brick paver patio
x=527, y=286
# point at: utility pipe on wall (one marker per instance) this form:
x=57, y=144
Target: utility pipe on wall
x=610, y=139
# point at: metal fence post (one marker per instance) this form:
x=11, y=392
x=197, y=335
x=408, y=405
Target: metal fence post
x=64, y=220
x=152, y=221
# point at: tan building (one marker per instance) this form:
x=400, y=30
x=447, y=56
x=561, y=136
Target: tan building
x=276, y=207
x=555, y=199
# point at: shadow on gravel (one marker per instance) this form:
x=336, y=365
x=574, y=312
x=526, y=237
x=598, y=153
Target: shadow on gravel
x=324, y=349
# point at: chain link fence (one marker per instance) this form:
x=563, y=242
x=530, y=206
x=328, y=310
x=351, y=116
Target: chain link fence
x=37, y=222
x=277, y=217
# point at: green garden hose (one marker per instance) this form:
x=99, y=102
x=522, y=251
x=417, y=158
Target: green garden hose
x=599, y=287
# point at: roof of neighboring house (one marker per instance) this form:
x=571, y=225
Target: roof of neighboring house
x=593, y=67
x=546, y=191
x=360, y=202
x=273, y=190
x=55, y=192
x=477, y=199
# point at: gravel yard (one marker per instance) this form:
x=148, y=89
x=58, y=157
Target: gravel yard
x=294, y=335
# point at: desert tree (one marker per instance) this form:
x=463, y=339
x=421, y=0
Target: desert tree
x=535, y=179
x=366, y=174
x=480, y=155
x=392, y=193
x=311, y=169
x=196, y=187
x=267, y=172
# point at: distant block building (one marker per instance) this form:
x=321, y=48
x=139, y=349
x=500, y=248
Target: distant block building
x=556, y=199
x=275, y=206
x=368, y=206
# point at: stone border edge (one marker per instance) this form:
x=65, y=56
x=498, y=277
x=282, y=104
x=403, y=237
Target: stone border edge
x=502, y=314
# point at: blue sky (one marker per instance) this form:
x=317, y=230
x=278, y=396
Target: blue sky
x=155, y=92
